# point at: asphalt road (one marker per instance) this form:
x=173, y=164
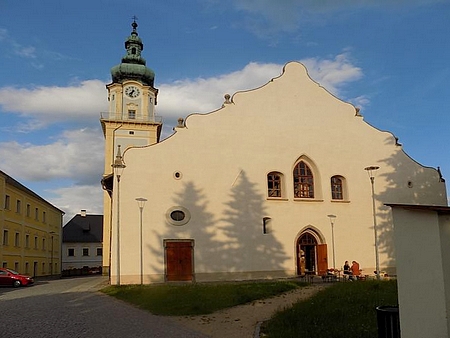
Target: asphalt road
x=74, y=308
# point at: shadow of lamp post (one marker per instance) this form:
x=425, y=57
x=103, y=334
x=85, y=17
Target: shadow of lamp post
x=141, y=203
x=332, y=218
x=118, y=167
x=370, y=171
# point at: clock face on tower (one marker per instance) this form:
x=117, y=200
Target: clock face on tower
x=132, y=91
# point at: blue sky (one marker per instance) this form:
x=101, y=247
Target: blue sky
x=389, y=57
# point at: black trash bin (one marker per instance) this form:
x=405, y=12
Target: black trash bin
x=388, y=322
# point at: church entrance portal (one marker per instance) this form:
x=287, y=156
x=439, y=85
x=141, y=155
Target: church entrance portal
x=311, y=256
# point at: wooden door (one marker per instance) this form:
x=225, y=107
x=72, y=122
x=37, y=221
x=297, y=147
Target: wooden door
x=322, y=259
x=179, y=259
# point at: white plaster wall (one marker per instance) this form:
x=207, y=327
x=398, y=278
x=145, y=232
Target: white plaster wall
x=421, y=286
x=224, y=158
x=78, y=261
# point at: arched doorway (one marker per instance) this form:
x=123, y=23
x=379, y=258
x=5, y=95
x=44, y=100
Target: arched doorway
x=311, y=255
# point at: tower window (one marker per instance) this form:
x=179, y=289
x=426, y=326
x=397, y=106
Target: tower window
x=132, y=114
x=133, y=51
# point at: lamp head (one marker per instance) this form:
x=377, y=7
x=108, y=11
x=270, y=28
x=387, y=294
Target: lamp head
x=141, y=202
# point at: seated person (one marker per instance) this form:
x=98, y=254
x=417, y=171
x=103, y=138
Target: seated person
x=347, y=268
x=355, y=269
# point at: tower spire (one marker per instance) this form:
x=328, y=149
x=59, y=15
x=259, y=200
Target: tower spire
x=133, y=65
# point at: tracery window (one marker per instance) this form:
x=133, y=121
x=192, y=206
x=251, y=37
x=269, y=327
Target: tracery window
x=303, y=181
x=337, y=192
x=274, y=184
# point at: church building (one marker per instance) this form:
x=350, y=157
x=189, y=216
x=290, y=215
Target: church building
x=281, y=181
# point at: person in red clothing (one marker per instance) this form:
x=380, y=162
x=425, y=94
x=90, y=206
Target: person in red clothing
x=355, y=269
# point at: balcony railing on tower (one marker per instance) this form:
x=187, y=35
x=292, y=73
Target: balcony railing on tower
x=131, y=116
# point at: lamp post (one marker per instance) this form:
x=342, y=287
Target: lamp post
x=370, y=171
x=141, y=202
x=332, y=218
x=51, y=255
x=118, y=167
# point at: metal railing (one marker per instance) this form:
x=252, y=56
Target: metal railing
x=128, y=116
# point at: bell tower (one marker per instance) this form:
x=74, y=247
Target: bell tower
x=130, y=120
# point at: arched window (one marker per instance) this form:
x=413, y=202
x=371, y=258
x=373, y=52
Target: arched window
x=337, y=188
x=274, y=184
x=303, y=181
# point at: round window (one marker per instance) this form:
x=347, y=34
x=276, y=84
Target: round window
x=178, y=215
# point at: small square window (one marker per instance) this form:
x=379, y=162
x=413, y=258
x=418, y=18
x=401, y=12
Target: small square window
x=85, y=252
x=71, y=252
x=99, y=251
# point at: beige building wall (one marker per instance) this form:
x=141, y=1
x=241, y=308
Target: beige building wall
x=422, y=238
x=215, y=169
x=30, y=230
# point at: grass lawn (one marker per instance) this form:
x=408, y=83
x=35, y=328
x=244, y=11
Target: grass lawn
x=342, y=310
x=197, y=299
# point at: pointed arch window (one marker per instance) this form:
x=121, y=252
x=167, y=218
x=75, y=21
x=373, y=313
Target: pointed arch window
x=337, y=188
x=303, y=181
x=274, y=184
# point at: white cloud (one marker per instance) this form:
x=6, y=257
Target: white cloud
x=74, y=198
x=333, y=74
x=77, y=155
x=15, y=47
x=55, y=104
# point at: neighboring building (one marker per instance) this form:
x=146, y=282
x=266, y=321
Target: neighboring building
x=245, y=192
x=82, y=242
x=30, y=230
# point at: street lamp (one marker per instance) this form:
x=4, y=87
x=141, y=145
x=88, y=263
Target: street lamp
x=141, y=202
x=370, y=171
x=118, y=167
x=332, y=218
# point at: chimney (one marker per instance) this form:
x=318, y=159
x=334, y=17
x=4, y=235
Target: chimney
x=83, y=213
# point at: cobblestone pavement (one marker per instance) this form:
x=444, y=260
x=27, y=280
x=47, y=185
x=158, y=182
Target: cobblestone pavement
x=74, y=308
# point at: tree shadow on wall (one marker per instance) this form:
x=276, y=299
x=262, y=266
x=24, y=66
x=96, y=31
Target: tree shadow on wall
x=200, y=228
x=247, y=248
x=407, y=183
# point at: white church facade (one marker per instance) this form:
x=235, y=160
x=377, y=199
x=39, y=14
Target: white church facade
x=272, y=184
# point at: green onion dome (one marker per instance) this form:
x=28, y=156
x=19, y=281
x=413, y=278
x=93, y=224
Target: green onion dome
x=133, y=65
